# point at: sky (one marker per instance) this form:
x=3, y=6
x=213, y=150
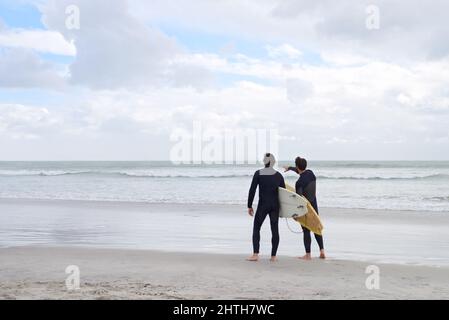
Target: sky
x=115, y=80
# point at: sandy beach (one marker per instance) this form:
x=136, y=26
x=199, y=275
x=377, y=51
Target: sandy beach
x=39, y=273
x=181, y=251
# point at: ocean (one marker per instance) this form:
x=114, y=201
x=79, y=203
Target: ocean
x=161, y=206
x=406, y=185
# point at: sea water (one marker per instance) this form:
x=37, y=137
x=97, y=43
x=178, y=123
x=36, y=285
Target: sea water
x=414, y=186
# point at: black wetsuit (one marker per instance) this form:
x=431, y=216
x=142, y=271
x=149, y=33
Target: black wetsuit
x=306, y=186
x=268, y=180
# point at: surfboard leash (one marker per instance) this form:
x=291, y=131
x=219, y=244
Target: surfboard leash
x=288, y=226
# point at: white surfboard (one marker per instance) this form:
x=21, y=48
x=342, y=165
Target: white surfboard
x=292, y=205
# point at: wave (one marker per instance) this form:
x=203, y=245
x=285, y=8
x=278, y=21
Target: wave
x=199, y=175
x=137, y=175
x=427, y=177
x=118, y=173
x=380, y=164
x=438, y=199
x=19, y=173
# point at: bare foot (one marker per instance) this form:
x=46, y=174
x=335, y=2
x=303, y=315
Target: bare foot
x=254, y=257
x=322, y=255
x=273, y=259
x=306, y=257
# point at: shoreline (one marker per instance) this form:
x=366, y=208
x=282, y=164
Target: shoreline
x=357, y=235
x=340, y=210
x=39, y=273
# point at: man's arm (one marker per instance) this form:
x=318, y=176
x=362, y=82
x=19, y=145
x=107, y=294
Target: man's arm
x=252, y=189
x=299, y=187
x=282, y=184
x=286, y=169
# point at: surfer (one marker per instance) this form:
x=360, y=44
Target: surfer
x=268, y=180
x=306, y=186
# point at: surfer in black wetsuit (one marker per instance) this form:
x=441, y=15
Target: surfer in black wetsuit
x=268, y=180
x=306, y=186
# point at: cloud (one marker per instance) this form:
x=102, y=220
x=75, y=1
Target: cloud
x=185, y=75
x=39, y=40
x=368, y=94
x=25, y=122
x=23, y=68
x=131, y=53
x=284, y=51
x=333, y=116
x=298, y=90
x=21, y=62
x=416, y=27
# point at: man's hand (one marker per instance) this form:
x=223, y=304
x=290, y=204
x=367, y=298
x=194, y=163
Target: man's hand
x=251, y=212
x=285, y=169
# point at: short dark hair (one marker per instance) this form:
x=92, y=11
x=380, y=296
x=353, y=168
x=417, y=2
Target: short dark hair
x=269, y=162
x=301, y=163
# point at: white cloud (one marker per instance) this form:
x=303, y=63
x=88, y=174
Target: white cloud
x=21, y=65
x=339, y=118
x=24, y=122
x=285, y=50
x=325, y=25
x=22, y=68
x=39, y=40
x=338, y=58
x=115, y=50
x=298, y=90
x=129, y=52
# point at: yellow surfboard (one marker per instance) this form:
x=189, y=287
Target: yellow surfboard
x=311, y=220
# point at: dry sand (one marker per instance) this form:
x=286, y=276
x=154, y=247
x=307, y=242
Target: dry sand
x=39, y=273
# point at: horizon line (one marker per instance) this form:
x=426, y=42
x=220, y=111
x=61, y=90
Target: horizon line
x=223, y=163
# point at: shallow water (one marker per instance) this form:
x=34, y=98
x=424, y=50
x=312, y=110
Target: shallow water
x=402, y=237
